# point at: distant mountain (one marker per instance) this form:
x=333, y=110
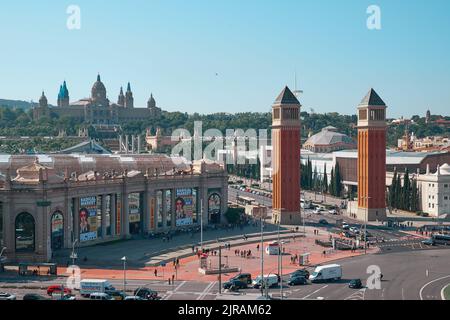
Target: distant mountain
x=17, y=104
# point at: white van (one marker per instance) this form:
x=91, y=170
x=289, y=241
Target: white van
x=270, y=279
x=88, y=286
x=330, y=272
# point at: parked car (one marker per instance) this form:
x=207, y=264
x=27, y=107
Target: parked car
x=300, y=273
x=33, y=296
x=7, y=296
x=235, y=285
x=133, y=298
x=146, y=293
x=354, y=230
x=244, y=277
x=116, y=294
x=57, y=289
x=345, y=226
x=295, y=281
x=333, y=211
x=269, y=279
x=68, y=297
x=427, y=242
x=355, y=284
x=100, y=296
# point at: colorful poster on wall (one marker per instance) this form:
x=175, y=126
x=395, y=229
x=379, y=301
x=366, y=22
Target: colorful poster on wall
x=214, y=203
x=88, y=219
x=134, y=207
x=184, y=207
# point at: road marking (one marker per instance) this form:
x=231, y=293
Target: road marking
x=206, y=291
x=359, y=295
x=403, y=294
x=171, y=293
x=427, y=284
x=305, y=297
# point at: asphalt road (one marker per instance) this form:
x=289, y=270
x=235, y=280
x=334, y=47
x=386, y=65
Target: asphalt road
x=407, y=275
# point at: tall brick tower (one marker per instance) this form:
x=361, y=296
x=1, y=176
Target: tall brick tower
x=286, y=159
x=372, y=158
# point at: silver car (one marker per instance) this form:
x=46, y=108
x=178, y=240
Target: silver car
x=7, y=296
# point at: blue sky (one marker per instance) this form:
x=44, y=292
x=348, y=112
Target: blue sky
x=174, y=48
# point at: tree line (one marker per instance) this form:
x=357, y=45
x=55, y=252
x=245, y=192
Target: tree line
x=404, y=196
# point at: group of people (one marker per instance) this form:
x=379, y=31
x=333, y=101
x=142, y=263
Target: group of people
x=243, y=253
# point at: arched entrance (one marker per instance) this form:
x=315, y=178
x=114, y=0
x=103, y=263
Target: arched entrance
x=25, y=232
x=57, y=231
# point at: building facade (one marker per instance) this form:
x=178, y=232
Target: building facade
x=286, y=159
x=54, y=201
x=97, y=109
x=435, y=191
x=372, y=158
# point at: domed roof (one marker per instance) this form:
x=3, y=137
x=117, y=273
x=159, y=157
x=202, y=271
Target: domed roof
x=445, y=169
x=329, y=136
x=98, y=85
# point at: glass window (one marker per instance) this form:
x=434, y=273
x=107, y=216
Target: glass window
x=25, y=232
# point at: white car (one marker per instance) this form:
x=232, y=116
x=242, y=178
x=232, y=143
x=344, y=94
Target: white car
x=128, y=298
x=333, y=211
x=345, y=226
x=354, y=230
x=7, y=296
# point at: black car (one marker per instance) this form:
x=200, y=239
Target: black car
x=146, y=293
x=355, y=284
x=300, y=273
x=299, y=280
x=244, y=277
x=235, y=285
x=116, y=294
x=33, y=296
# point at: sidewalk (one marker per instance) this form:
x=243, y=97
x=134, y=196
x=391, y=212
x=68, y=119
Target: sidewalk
x=188, y=269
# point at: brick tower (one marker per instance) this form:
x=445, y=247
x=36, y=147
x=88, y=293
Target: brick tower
x=372, y=158
x=286, y=159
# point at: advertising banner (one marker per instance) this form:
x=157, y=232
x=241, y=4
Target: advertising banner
x=88, y=219
x=184, y=207
x=134, y=208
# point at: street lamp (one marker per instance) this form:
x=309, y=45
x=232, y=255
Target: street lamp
x=365, y=223
x=124, y=259
x=73, y=255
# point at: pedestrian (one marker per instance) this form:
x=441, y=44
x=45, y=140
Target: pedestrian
x=169, y=281
x=257, y=248
x=156, y=272
x=173, y=279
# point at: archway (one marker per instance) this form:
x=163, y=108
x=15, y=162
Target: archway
x=57, y=231
x=25, y=232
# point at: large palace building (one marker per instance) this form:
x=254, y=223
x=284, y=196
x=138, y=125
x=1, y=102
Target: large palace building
x=51, y=202
x=97, y=109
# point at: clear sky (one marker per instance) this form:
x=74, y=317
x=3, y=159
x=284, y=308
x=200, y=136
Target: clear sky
x=231, y=55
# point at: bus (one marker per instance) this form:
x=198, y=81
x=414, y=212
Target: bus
x=244, y=200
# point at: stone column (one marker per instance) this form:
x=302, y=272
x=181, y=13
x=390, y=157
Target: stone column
x=174, y=216
x=76, y=214
x=113, y=215
x=164, y=209
x=103, y=209
x=146, y=212
x=125, y=223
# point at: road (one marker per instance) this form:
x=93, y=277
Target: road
x=408, y=275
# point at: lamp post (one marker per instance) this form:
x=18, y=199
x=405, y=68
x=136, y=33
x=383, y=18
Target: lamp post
x=124, y=259
x=262, y=254
x=73, y=255
x=365, y=223
x=201, y=225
